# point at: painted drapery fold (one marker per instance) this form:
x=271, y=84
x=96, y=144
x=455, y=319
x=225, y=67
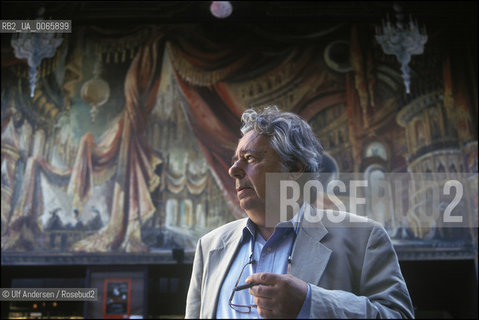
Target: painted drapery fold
x=135, y=176
x=216, y=139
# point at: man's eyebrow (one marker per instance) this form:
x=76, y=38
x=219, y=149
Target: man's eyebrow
x=253, y=151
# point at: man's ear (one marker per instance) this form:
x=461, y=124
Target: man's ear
x=297, y=171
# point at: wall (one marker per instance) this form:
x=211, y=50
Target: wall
x=125, y=144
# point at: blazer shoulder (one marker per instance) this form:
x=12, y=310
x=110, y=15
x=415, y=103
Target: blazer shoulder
x=224, y=232
x=349, y=225
x=334, y=218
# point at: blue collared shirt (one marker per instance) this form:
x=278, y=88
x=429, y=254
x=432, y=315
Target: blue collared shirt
x=270, y=256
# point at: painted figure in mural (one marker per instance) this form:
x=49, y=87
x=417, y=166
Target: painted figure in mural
x=299, y=267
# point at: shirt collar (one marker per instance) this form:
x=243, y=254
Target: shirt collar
x=249, y=231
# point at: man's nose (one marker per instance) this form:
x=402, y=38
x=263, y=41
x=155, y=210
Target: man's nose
x=236, y=171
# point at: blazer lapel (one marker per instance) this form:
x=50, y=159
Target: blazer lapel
x=220, y=260
x=310, y=257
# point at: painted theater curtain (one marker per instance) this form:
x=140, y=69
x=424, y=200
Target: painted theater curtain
x=219, y=78
x=122, y=150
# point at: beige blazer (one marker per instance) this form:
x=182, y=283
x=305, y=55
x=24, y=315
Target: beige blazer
x=352, y=268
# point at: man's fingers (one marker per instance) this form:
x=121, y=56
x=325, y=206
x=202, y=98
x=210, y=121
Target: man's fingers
x=262, y=291
x=264, y=303
x=263, y=278
x=265, y=312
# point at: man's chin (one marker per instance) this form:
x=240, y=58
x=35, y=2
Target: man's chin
x=248, y=204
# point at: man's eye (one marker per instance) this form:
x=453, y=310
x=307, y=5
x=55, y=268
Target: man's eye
x=248, y=157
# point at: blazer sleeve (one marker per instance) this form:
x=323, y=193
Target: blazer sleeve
x=193, y=299
x=382, y=289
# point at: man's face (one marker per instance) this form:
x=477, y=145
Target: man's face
x=253, y=158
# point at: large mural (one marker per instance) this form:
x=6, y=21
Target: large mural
x=125, y=144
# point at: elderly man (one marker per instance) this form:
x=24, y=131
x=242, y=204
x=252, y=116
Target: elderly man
x=297, y=268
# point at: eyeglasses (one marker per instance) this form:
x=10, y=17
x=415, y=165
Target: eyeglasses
x=239, y=307
x=247, y=308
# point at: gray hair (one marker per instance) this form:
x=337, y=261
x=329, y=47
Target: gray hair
x=290, y=136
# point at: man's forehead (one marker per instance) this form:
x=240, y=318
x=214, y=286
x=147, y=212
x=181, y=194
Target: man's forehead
x=252, y=141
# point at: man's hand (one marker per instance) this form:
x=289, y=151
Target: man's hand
x=278, y=295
